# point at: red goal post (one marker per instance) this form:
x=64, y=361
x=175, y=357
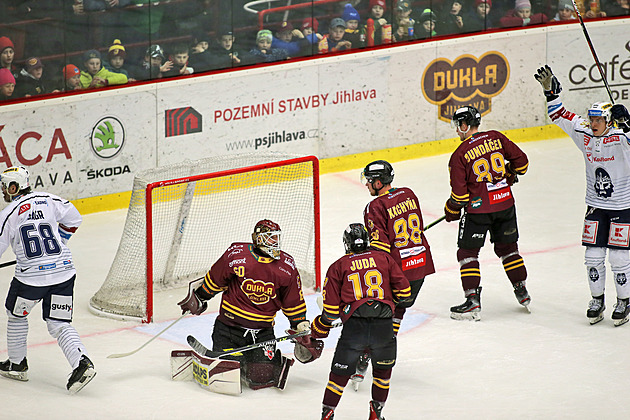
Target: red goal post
x=189, y=221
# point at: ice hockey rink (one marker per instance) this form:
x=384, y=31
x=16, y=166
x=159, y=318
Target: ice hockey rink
x=547, y=364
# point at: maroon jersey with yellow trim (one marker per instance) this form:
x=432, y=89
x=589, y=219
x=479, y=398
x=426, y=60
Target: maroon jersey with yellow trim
x=394, y=222
x=478, y=174
x=356, y=278
x=255, y=287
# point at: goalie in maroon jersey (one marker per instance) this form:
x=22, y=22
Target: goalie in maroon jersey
x=482, y=171
x=257, y=280
x=362, y=289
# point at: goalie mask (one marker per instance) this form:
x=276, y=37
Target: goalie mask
x=14, y=176
x=267, y=238
x=378, y=170
x=355, y=238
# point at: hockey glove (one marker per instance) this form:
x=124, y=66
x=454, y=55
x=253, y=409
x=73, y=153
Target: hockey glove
x=320, y=329
x=192, y=303
x=307, y=348
x=548, y=81
x=510, y=174
x=452, y=210
x=620, y=115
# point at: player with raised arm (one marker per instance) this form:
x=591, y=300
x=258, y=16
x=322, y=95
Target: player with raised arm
x=38, y=225
x=362, y=289
x=604, y=140
x=257, y=280
x=395, y=225
x=482, y=170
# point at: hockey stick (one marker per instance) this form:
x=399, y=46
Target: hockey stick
x=8, y=264
x=204, y=351
x=590, y=45
x=435, y=222
x=118, y=355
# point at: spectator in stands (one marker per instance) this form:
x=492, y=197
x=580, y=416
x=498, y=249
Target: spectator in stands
x=617, y=8
x=200, y=53
x=7, y=54
x=452, y=18
x=426, y=25
x=521, y=15
x=292, y=40
x=334, y=41
x=72, y=78
x=377, y=30
x=481, y=17
x=7, y=84
x=29, y=82
x=179, y=57
x=152, y=66
x=310, y=25
x=95, y=75
x=201, y=41
x=403, y=28
x=352, y=33
x=565, y=11
x=115, y=62
x=263, y=53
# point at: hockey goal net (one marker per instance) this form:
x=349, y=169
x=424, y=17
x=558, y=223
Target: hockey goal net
x=182, y=217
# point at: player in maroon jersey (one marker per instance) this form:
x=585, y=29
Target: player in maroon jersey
x=362, y=289
x=394, y=222
x=482, y=170
x=257, y=280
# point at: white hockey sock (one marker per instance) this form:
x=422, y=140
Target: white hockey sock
x=68, y=339
x=620, y=264
x=17, y=332
x=594, y=258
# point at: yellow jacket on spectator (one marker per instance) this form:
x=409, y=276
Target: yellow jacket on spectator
x=110, y=78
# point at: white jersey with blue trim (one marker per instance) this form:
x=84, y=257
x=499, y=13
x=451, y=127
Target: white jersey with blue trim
x=606, y=158
x=30, y=224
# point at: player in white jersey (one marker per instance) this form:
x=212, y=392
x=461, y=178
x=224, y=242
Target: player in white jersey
x=604, y=139
x=37, y=225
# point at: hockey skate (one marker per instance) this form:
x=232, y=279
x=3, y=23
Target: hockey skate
x=362, y=366
x=595, y=311
x=471, y=309
x=328, y=413
x=621, y=313
x=81, y=376
x=375, y=410
x=19, y=372
x=521, y=295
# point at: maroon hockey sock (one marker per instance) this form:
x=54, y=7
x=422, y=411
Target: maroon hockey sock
x=471, y=275
x=334, y=389
x=380, y=384
x=515, y=268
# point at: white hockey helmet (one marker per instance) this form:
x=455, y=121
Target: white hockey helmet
x=15, y=175
x=600, y=109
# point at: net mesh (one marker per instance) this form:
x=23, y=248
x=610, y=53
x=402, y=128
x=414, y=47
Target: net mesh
x=193, y=223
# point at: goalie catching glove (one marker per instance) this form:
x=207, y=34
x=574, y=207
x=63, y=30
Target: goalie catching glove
x=193, y=303
x=549, y=82
x=307, y=348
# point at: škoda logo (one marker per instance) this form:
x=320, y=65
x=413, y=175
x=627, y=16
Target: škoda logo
x=466, y=81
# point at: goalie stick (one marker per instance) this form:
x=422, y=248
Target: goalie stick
x=205, y=351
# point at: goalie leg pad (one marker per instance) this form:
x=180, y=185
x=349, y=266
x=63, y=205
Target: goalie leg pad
x=215, y=375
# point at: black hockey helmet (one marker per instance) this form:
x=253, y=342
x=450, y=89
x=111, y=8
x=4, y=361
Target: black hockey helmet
x=355, y=238
x=468, y=114
x=379, y=169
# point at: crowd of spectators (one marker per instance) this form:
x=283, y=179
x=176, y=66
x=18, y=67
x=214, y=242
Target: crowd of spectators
x=113, y=42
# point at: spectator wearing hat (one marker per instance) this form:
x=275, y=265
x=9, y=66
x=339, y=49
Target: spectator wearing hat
x=309, y=28
x=451, y=19
x=334, y=41
x=7, y=84
x=71, y=77
x=153, y=65
x=617, y=8
x=377, y=30
x=565, y=11
x=426, y=25
x=116, y=55
x=7, y=54
x=263, y=53
x=353, y=33
x=29, y=82
x=522, y=15
x=293, y=40
x=200, y=53
x=95, y=75
x=403, y=28
x=480, y=17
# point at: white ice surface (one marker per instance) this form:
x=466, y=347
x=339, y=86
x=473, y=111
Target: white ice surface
x=550, y=364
